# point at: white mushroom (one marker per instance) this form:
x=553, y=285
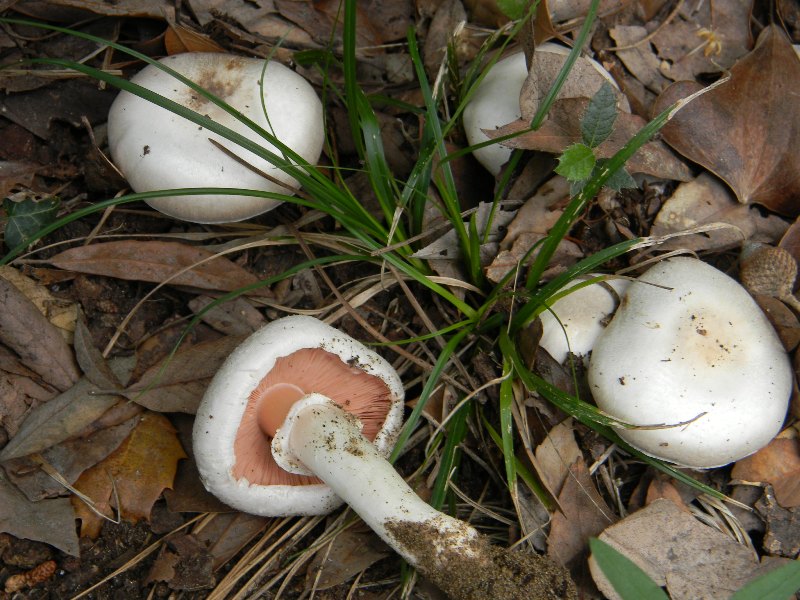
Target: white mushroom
x=156, y=149
x=690, y=349
x=266, y=395
x=575, y=321
x=496, y=101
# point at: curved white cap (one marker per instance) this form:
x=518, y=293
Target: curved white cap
x=220, y=414
x=584, y=315
x=156, y=149
x=701, y=347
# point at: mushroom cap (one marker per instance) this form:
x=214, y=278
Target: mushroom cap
x=583, y=313
x=227, y=406
x=496, y=102
x=156, y=149
x=700, y=352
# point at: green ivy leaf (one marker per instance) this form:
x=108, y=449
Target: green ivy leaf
x=600, y=115
x=576, y=162
x=628, y=580
x=27, y=217
x=620, y=180
x=513, y=9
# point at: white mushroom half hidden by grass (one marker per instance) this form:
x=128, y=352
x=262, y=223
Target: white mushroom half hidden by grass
x=286, y=428
x=573, y=322
x=689, y=348
x=158, y=150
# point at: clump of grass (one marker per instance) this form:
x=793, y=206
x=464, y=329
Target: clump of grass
x=389, y=242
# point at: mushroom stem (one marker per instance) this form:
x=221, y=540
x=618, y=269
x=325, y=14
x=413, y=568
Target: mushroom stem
x=321, y=438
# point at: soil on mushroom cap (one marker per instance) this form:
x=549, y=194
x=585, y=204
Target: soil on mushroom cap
x=479, y=570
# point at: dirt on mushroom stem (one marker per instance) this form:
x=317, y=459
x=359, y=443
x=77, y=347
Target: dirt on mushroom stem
x=477, y=570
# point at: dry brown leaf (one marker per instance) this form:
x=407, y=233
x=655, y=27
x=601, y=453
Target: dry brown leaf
x=91, y=361
x=234, y=317
x=704, y=38
x=227, y=533
x=348, y=554
x=555, y=454
x=584, y=81
x=38, y=343
x=69, y=459
x=61, y=313
x=138, y=471
x=179, y=39
x=706, y=200
x=694, y=561
x=562, y=129
x=584, y=514
x=62, y=417
x=447, y=18
x=154, y=9
x=157, y=262
x=177, y=383
x=747, y=131
x=531, y=223
x=783, y=319
x=184, y=564
x=777, y=464
x=48, y=521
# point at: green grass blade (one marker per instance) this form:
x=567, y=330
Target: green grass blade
x=451, y=455
x=433, y=378
x=627, y=579
x=779, y=584
x=507, y=424
x=589, y=191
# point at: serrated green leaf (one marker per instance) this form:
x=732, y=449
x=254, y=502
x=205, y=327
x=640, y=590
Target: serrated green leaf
x=620, y=180
x=576, y=162
x=628, y=580
x=513, y=9
x=775, y=585
x=600, y=115
x=27, y=217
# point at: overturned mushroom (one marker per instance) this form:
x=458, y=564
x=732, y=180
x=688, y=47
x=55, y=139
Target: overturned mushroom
x=156, y=149
x=313, y=434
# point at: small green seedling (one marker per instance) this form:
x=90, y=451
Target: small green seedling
x=578, y=162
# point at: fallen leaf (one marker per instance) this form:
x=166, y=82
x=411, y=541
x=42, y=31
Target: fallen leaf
x=555, y=454
x=584, y=81
x=747, y=131
x=783, y=319
x=137, y=471
x=59, y=419
x=38, y=343
x=94, y=366
x=158, y=262
x=782, y=535
x=69, y=458
x=61, y=313
x=234, y=317
x=48, y=521
x=347, y=555
x=179, y=38
x=778, y=464
x=583, y=514
x=227, y=533
x=440, y=33
x=533, y=222
x=177, y=383
x=639, y=59
x=562, y=129
x=707, y=200
x=693, y=560
x=184, y=564
x=705, y=38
